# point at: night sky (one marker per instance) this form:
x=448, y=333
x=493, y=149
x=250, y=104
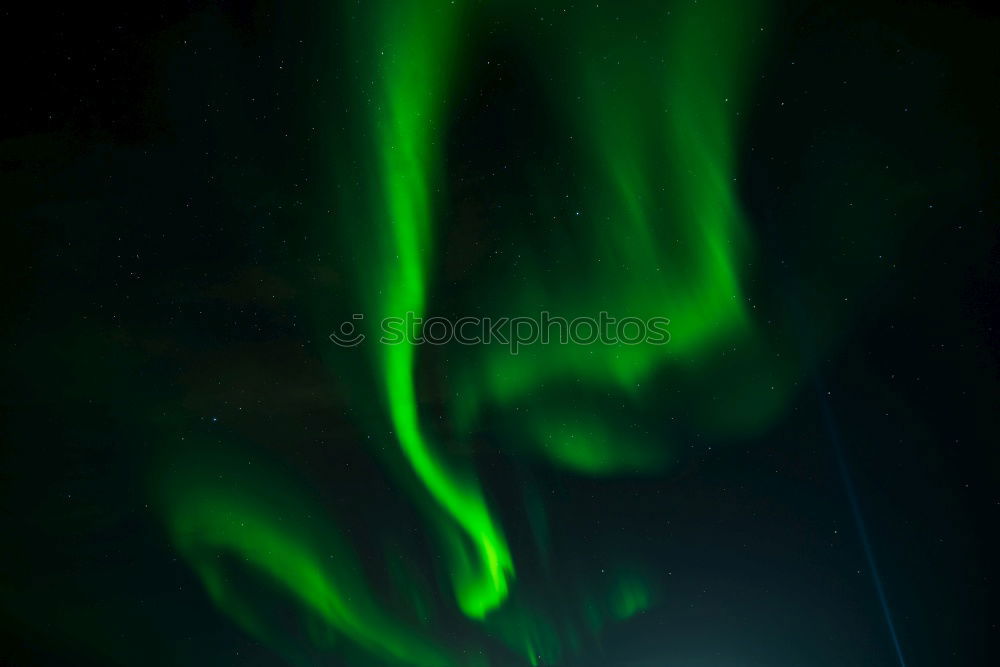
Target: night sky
x=196, y=195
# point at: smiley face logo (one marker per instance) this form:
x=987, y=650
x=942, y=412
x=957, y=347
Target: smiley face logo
x=347, y=335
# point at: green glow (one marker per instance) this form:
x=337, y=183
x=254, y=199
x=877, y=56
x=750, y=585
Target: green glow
x=585, y=444
x=631, y=596
x=661, y=217
x=654, y=108
x=545, y=635
x=223, y=523
x=653, y=229
x=416, y=46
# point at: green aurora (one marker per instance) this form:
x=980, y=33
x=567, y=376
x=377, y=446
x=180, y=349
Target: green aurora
x=654, y=105
x=194, y=473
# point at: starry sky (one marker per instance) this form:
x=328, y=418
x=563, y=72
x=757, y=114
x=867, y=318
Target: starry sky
x=195, y=195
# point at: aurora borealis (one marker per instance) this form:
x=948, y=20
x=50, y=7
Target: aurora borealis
x=801, y=472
